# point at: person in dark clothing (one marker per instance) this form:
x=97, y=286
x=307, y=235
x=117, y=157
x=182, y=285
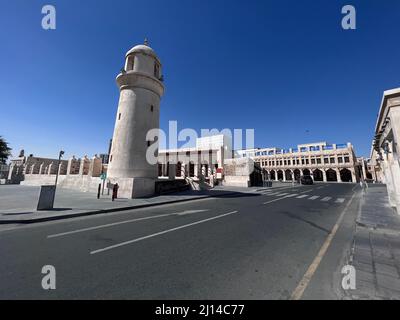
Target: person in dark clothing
x=115, y=191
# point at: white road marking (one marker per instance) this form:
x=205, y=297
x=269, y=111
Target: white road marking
x=339, y=200
x=282, y=194
x=313, y=198
x=160, y=233
x=122, y=222
x=302, y=196
x=189, y=212
x=285, y=197
x=298, y=292
x=320, y=187
x=292, y=195
x=326, y=199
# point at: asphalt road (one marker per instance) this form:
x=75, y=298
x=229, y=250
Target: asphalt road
x=243, y=246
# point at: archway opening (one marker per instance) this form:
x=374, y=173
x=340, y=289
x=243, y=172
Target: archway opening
x=318, y=175
x=296, y=174
x=280, y=175
x=331, y=175
x=345, y=175
x=306, y=172
x=288, y=175
x=272, y=175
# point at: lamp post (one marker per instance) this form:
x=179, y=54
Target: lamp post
x=58, y=168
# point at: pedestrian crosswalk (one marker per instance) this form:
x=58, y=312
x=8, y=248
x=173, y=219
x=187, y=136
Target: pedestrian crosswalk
x=303, y=196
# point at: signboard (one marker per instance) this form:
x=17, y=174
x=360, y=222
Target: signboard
x=103, y=176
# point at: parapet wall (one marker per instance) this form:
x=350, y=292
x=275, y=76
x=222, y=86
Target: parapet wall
x=77, y=182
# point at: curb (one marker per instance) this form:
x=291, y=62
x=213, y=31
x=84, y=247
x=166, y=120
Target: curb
x=89, y=213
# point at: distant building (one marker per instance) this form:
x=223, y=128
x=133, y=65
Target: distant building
x=320, y=160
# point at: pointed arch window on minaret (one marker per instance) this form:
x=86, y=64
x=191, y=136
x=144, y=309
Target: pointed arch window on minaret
x=156, y=70
x=130, y=62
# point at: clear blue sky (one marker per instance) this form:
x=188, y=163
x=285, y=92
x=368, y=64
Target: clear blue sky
x=285, y=68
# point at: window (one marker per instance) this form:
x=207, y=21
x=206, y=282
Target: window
x=346, y=159
x=152, y=108
x=326, y=160
x=312, y=161
x=130, y=63
x=332, y=160
x=318, y=160
x=156, y=70
x=306, y=161
x=340, y=160
x=110, y=158
x=119, y=116
x=148, y=143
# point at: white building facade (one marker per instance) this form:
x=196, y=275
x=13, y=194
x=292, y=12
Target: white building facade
x=322, y=161
x=385, y=154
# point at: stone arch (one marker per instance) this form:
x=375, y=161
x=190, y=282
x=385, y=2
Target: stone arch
x=272, y=174
x=288, y=175
x=345, y=175
x=318, y=175
x=306, y=172
x=331, y=175
x=280, y=175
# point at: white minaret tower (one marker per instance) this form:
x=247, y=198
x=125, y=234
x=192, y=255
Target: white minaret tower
x=141, y=88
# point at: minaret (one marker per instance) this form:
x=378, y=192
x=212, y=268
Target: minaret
x=141, y=88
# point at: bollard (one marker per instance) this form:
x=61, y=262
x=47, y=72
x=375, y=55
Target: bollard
x=98, y=191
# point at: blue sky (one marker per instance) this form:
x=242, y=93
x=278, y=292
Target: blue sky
x=285, y=68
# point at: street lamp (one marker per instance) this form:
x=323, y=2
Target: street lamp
x=58, y=167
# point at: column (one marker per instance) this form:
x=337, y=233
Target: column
x=172, y=171
x=183, y=170
x=69, y=166
x=353, y=175
x=41, y=168
x=339, y=179
x=324, y=175
x=50, y=168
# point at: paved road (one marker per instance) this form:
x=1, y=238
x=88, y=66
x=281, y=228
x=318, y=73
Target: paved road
x=242, y=246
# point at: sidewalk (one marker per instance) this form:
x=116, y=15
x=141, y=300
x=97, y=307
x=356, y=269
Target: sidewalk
x=18, y=203
x=376, y=248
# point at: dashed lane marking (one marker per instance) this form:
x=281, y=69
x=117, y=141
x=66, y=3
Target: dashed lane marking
x=326, y=199
x=339, y=200
x=160, y=233
x=186, y=212
x=313, y=198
